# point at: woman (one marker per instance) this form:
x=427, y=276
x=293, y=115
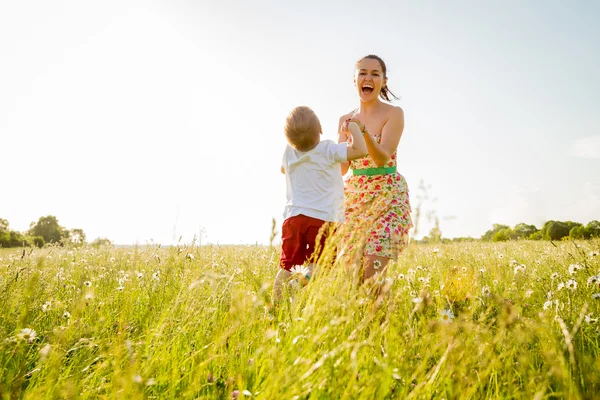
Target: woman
x=377, y=203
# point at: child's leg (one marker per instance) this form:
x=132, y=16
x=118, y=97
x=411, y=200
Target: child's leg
x=281, y=280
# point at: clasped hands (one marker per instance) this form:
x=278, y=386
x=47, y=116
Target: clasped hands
x=344, y=129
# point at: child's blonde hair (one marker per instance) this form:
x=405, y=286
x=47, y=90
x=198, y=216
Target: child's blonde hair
x=302, y=128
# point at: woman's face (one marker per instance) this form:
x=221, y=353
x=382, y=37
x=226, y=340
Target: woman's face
x=369, y=79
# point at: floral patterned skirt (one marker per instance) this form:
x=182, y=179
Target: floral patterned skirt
x=377, y=215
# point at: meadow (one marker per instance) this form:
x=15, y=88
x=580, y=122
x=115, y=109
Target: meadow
x=449, y=321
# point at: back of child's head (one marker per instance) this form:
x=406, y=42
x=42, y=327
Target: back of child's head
x=302, y=129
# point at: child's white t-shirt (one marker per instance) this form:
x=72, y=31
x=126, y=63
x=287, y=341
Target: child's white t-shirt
x=315, y=186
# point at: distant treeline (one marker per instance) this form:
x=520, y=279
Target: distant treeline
x=46, y=230
x=551, y=230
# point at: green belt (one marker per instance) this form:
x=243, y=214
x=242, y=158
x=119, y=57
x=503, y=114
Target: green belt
x=374, y=171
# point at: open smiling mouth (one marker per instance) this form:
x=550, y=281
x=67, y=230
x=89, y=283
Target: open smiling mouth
x=367, y=89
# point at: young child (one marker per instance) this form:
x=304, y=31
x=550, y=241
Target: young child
x=315, y=190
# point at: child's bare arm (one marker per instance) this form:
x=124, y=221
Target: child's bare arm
x=358, y=148
x=343, y=137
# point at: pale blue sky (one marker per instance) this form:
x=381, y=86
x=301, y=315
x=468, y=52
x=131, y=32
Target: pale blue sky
x=144, y=120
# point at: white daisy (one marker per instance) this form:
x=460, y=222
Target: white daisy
x=486, y=291
x=547, y=304
x=87, y=283
x=571, y=284
x=560, y=286
x=592, y=279
x=27, y=334
x=447, y=316
x=376, y=264
x=554, y=275
x=589, y=319
x=573, y=268
x=596, y=296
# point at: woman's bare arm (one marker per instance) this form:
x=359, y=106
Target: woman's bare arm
x=390, y=137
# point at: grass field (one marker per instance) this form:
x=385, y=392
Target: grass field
x=462, y=320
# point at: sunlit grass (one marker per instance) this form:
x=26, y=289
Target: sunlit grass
x=468, y=320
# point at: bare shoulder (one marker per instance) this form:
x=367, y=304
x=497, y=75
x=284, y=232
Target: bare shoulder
x=394, y=113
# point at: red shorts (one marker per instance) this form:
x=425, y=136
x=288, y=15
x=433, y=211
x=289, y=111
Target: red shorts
x=299, y=236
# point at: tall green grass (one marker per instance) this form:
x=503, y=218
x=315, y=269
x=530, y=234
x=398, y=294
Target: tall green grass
x=463, y=320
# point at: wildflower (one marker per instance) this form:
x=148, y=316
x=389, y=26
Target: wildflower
x=27, y=334
x=66, y=315
x=464, y=269
x=120, y=288
x=379, y=279
x=87, y=283
x=560, y=286
x=571, y=284
x=156, y=275
x=500, y=255
x=482, y=270
x=589, y=319
x=547, y=304
x=247, y=393
x=189, y=256
x=435, y=250
x=419, y=268
x=235, y=394
x=447, y=316
x=554, y=276
x=596, y=296
x=421, y=279
x=413, y=293
x=400, y=276
x=376, y=264
x=486, y=291
x=592, y=279
x=593, y=253
x=46, y=306
x=513, y=262
x=301, y=273
x=549, y=295
x=528, y=293
x=495, y=282
x=573, y=268
x=139, y=275
x=89, y=296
